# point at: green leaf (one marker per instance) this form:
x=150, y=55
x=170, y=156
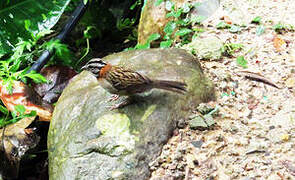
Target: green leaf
x=183, y=32
x=170, y=27
x=27, y=24
x=158, y=2
x=166, y=44
x=241, y=61
x=234, y=29
x=4, y=110
x=256, y=20
x=143, y=46
x=223, y=25
x=186, y=8
x=15, y=14
x=20, y=109
x=36, y=77
x=153, y=37
x=198, y=19
x=169, y=6
x=260, y=30
x=85, y=1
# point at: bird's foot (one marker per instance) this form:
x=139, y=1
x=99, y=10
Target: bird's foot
x=114, y=98
x=122, y=104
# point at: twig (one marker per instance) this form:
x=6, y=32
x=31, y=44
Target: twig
x=258, y=77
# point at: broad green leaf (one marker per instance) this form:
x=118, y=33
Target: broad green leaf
x=183, y=32
x=256, y=20
x=3, y=109
x=169, y=28
x=36, y=77
x=158, y=2
x=198, y=19
x=166, y=44
x=223, y=25
x=20, y=109
x=169, y=6
x=143, y=46
x=186, y=8
x=19, y=16
x=241, y=61
x=153, y=37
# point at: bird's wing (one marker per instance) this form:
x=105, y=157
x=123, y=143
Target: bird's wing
x=123, y=78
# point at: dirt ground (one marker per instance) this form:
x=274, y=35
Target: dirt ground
x=254, y=135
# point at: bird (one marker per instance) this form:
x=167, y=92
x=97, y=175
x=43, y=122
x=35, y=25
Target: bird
x=122, y=81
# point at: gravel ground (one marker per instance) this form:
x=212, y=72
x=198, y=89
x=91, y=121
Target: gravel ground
x=255, y=130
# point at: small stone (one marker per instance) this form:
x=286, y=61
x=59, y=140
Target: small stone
x=197, y=122
x=204, y=108
x=209, y=120
x=223, y=85
x=290, y=83
x=197, y=144
x=233, y=129
x=271, y=127
x=285, y=137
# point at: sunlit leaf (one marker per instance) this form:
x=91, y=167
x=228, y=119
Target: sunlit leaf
x=183, y=32
x=256, y=20
x=241, y=61
x=166, y=44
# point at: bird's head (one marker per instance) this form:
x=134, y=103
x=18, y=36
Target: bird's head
x=96, y=66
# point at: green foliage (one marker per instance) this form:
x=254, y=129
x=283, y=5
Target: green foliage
x=147, y=45
x=228, y=49
x=24, y=19
x=14, y=116
x=260, y=30
x=182, y=32
x=280, y=28
x=166, y=44
x=234, y=29
x=241, y=61
x=256, y=20
x=223, y=25
x=123, y=24
x=158, y=2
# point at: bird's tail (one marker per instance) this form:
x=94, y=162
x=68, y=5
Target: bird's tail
x=175, y=86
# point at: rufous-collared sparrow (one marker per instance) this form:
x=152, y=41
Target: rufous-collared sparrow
x=123, y=81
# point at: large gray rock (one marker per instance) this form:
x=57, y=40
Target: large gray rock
x=88, y=141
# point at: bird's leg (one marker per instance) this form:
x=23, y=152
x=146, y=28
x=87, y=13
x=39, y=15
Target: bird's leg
x=125, y=102
x=114, y=98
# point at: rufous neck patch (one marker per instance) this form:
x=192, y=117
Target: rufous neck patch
x=104, y=70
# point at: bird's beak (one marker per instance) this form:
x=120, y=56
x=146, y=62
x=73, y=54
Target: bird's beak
x=84, y=67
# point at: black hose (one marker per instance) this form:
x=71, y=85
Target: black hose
x=74, y=18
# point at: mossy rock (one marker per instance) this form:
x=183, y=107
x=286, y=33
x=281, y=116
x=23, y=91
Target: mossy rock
x=88, y=141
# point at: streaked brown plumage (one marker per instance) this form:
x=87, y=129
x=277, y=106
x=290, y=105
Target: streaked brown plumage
x=123, y=81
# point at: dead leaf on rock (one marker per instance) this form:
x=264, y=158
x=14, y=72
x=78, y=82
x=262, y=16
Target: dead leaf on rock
x=26, y=96
x=59, y=77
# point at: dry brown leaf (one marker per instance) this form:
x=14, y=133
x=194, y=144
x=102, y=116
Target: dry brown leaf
x=279, y=43
x=226, y=19
x=59, y=77
x=23, y=95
